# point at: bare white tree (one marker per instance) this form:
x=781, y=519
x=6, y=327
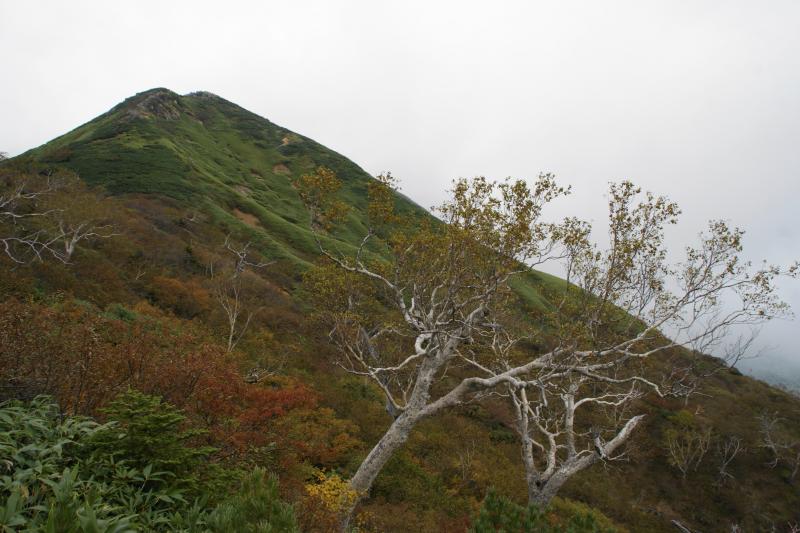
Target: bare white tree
x=727, y=450
x=782, y=447
x=551, y=442
x=687, y=448
x=49, y=213
x=441, y=287
x=448, y=334
x=606, y=324
x=230, y=290
x=73, y=233
x=22, y=236
x=79, y=214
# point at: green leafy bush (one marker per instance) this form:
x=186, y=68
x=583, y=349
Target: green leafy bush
x=40, y=484
x=135, y=473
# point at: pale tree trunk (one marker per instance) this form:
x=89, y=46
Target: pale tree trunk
x=392, y=440
x=395, y=436
x=531, y=475
x=69, y=248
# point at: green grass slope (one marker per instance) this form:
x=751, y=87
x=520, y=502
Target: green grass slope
x=204, y=152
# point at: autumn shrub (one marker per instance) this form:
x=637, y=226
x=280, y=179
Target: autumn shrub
x=69, y=350
x=186, y=299
x=318, y=436
x=84, y=358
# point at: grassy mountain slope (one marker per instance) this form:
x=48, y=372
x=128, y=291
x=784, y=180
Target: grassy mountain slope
x=172, y=158
x=202, y=151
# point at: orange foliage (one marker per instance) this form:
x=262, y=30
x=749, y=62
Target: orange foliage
x=318, y=436
x=84, y=359
x=187, y=299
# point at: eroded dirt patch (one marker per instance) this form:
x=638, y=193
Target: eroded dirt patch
x=280, y=168
x=247, y=218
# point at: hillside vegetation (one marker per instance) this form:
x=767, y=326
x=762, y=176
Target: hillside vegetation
x=140, y=316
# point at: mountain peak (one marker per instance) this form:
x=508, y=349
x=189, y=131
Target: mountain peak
x=154, y=103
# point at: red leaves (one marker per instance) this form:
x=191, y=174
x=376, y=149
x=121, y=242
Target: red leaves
x=257, y=407
x=266, y=403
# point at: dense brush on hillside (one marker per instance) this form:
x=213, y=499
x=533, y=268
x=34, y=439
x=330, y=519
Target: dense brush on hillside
x=196, y=200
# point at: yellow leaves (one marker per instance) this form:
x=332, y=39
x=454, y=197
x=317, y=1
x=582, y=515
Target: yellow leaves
x=333, y=492
x=317, y=191
x=328, y=501
x=381, y=194
x=502, y=217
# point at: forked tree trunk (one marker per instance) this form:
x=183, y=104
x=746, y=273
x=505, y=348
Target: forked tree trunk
x=542, y=488
x=541, y=492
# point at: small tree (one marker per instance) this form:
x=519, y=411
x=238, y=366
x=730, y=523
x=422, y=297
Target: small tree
x=783, y=447
x=686, y=441
x=22, y=235
x=728, y=449
x=78, y=214
x=43, y=212
x=147, y=431
x=231, y=282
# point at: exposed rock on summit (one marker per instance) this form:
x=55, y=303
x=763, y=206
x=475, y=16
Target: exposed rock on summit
x=158, y=103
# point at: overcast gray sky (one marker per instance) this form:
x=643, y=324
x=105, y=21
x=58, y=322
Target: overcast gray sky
x=698, y=100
